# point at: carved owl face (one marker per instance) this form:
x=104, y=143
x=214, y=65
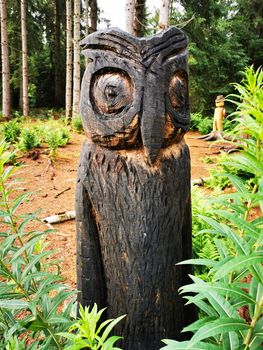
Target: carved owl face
x=134, y=91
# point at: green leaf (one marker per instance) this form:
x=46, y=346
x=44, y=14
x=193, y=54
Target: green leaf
x=57, y=300
x=175, y=345
x=205, y=262
x=13, y=304
x=58, y=319
x=222, y=249
x=220, y=304
x=109, y=328
x=33, y=261
x=231, y=341
x=221, y=326
x=108, y=345
x=202, y=305
x=15, y=204
x=197, y=324
x=238, y=263
x=238, y=183
x=248, y=227
x=27, y=245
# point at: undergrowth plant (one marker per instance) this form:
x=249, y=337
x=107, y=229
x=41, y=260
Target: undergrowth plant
x=90, y=333
x=77, y=124
x=11, y=131
x=56, y=137
x=203, y=244
x=28, y=139
x=37, y=310
x=237, y=277
x=200, y=123
x=34, y=303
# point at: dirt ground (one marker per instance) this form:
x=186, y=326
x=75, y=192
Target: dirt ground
x=54, y=191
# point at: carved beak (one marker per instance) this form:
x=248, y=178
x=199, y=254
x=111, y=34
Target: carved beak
x=152, y=124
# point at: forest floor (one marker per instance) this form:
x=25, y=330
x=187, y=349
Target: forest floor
x=54, y=191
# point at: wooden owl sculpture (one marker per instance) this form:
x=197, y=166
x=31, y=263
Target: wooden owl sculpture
x=133, y=190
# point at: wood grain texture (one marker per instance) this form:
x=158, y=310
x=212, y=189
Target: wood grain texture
x=133, y=205
x=140, y=223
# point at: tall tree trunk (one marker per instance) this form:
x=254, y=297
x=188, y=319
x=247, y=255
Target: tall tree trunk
x=130, y=15
x=164, y=14
x=76, y=63
x=69, y=61
x=93, y=15
x=86, y=23
x=86, y=17
x=139, y=17
x=5, y=62
x=24, y=58
x=58, y=74
x=135, y=10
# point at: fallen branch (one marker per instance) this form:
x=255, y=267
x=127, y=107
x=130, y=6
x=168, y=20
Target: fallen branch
x=61, y=217
x=67, y=189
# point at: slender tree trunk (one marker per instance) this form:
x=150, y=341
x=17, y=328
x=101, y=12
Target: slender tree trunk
x=86, y=21
x=86, y=17
x=5, y=62
x=58, y=67
x=164, y=14
x=130, y=15
x=69, y=61
x=93, y=15
x=24, y=58
x=139, y=17
x=76, y=63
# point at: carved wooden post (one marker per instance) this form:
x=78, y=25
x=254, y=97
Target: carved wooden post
x=133, y=192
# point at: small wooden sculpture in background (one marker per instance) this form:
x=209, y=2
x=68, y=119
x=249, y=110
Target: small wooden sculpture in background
x=220, y=112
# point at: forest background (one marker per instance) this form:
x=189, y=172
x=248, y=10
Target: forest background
x=224, y=37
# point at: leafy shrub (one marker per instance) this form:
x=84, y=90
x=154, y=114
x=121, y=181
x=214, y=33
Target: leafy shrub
x=86, y=332
x=36, y=308
x=65, y=137
x=218, y=179
x=208, y=160
x=195, y=120
x=205, y=126
x=11, y=131
x=202, y=124
x=203, y=245
x=56, y=138
x=237, y=278
x=30, y=295
x=77, y=124
x=28, y=139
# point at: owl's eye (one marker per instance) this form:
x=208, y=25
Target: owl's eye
x=178, y=91
x=112, y=91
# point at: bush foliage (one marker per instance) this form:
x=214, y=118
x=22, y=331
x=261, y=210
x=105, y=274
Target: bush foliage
x=237, y=277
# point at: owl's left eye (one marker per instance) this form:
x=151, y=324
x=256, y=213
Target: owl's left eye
x=112, y=91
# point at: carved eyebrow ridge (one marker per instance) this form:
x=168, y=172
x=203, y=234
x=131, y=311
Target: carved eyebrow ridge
x=102, y=47
x=166, y=47
x=119, y=40
x=136, y=49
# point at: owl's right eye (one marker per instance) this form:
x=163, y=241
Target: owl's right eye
x=111, y=92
